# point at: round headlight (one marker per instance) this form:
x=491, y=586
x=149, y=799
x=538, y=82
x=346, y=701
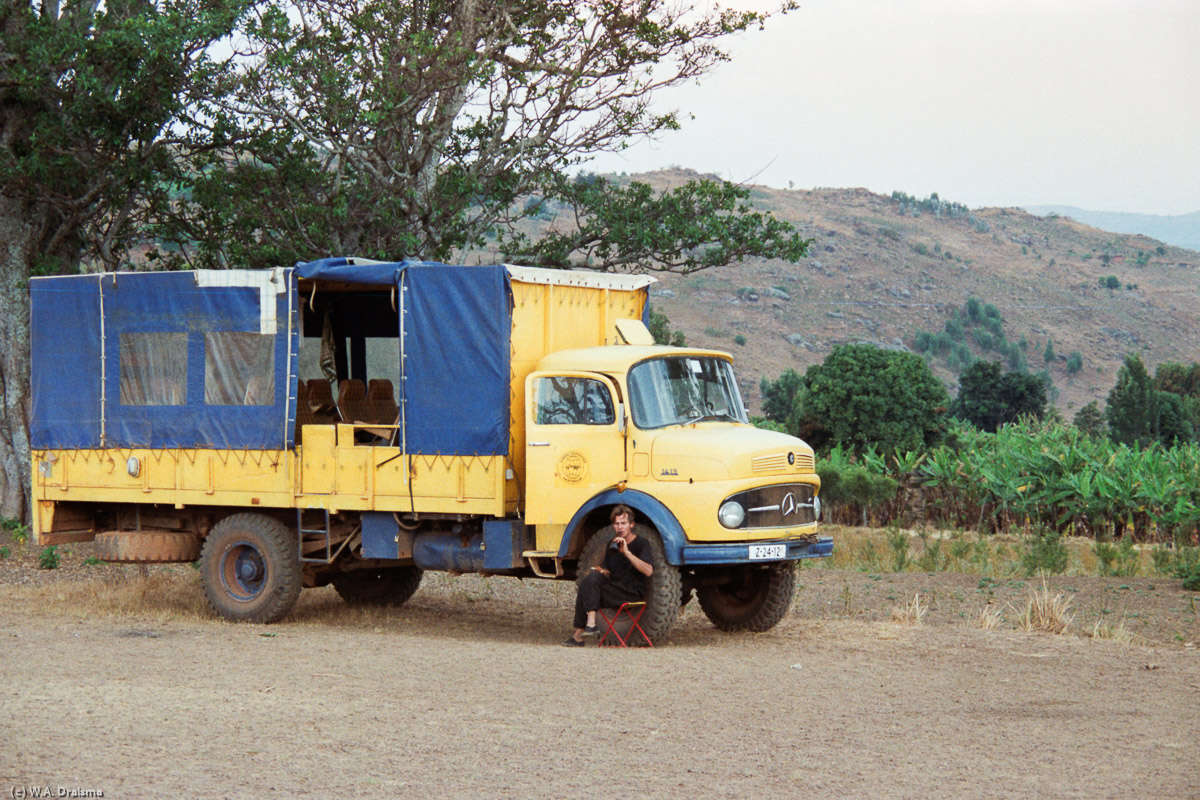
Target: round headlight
x=731, y=514
x=816, y=508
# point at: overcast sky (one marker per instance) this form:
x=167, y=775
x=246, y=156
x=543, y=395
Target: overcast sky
x=1091, y=103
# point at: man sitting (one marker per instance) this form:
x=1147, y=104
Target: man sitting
x=620, y=578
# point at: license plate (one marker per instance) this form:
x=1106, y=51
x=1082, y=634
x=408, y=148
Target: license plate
x=759, y=552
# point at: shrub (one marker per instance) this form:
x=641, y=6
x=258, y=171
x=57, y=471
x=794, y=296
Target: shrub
x=1074, y=362
x=739, y=340
x=1116, y=561
x=5, y=552
x=1110, y=282
x=48, y=558
x=1044, y=553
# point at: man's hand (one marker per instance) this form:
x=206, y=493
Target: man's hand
x=602, y=571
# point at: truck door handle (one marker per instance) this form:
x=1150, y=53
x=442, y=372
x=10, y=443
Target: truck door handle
x=538, y=444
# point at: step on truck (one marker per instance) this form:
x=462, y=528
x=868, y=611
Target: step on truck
x=357, y=423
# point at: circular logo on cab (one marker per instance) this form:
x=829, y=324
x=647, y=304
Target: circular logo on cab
x=573, y=467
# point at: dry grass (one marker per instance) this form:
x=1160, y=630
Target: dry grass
x=1115, y=633
x=1045, y=613
x=174, y=595
x=990, y=617
x=911, y=613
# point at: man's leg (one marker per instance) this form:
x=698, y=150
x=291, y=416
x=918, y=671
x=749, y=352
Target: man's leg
x=587, y=600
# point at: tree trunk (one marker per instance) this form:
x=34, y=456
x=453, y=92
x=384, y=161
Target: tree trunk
x=19, y=240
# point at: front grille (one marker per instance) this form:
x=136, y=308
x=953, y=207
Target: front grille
x=769, y=463
x=781, y=506
x=779, y=461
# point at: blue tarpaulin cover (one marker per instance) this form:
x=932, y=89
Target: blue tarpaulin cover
x=454, y=385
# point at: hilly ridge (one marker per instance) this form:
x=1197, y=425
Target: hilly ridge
x=883, y=269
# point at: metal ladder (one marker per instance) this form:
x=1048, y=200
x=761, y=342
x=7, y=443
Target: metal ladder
x=312, y=536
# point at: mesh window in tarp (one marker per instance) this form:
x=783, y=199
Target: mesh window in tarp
x=153, y=369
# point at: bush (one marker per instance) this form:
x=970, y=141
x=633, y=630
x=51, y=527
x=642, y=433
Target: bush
x=48, y=558
x=1074, y=362
x=739, y=340
x=1110, y=282
x=1044, y=553
x=660, y=329
x=1116, y=561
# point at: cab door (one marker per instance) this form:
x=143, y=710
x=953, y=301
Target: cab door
x=574, y=443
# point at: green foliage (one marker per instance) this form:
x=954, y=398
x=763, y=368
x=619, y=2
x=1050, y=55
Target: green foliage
x=48, y=558
x=932, y=205
x=660, y=329
x=1048, y=354
x=864, y=395
x=740, y=340
x=779, y=396
x=974, y=309
x=1138, y=414
x=989, y=399
x=899, y=542
x=1044, y=553
x=1119, y=560
x=1074, y=362
x=1110, y=282
x=1090, y=420
x=92, y=561
x=768, y=424
x=954, y=327
x=19, y=531
x=716, y=333
x=415, y=130
x=1186, y=565
x=4, y=552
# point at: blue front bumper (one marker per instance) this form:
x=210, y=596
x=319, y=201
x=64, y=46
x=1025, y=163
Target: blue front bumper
x=820, y=547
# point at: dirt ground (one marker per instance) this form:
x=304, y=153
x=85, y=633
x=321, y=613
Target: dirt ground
x=125, y=684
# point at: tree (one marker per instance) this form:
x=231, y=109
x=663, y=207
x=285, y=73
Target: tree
x=1132, y=411
x=660, y=329
x=96, y=101
x=864, y=395
x=778, y=396
x=415, y=129
x=1074, y=362
x=989, y=399
x=1048, y=354
x=1090, y=420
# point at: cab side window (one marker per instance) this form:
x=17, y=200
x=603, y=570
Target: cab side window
x=573, y=401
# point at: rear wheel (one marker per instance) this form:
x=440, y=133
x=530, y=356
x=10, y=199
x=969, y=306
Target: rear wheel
x=250, y=568
x=754, y=599
x=390, y=586
x=666, y=587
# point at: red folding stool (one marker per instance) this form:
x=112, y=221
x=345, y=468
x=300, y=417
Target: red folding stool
x=632, y=611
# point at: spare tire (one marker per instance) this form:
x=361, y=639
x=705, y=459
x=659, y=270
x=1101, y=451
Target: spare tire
x=147, y=547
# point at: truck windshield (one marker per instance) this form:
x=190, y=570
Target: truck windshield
x=679, y=390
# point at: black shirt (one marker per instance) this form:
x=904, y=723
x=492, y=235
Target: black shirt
x=622, y=572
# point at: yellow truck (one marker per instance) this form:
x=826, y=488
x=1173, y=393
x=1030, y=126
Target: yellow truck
x=356, y=423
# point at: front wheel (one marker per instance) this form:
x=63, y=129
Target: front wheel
x=666, y=586
x=754, y=599
x=250, y=568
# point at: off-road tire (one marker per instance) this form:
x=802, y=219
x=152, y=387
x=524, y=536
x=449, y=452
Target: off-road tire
x=250, y=568
x=147, y=547
x=666, y=586
x=387, y=586
x=755, y=600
